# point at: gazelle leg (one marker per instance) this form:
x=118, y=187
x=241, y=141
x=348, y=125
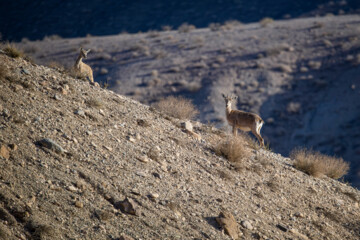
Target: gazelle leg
x=234, y=131
x=258, y=136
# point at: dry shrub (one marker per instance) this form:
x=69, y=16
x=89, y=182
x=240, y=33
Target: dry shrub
x=93, y=102
x=185, y=28
x=166, y=28
x=317, y=164
x=266, y=21
x=12, y=51
x=232, y=148
x=177, y=107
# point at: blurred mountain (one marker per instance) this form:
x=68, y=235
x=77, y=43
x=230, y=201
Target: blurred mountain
x=37, y=19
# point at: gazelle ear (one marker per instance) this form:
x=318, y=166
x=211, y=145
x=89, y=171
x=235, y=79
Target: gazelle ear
x=88, y=51
x=81, y=49
x=223, y=95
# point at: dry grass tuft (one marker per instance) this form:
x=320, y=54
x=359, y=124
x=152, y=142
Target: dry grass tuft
x=177, y=107
x=185, y=28
x=12, y=51
x=96, y=103
x=266, y=21
x=232, y=148
x=351, y=195
x=317, y=164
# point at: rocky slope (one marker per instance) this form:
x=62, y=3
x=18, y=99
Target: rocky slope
x=301, y=76
x=81, y=162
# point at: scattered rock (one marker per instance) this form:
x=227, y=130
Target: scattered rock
x=296, y=233
x=79, y=204
x=282, y=227
x=246, y=224
x=72, y=188
x=80, y=113
x=50, y=144
x=125, y=237
x=143, y=159
x=13, y=146
x=4, y=152
x=227, y=221
x=127, y=206
x=153, y=195
x=187, y=125
x=130, y=139
x=143, y=123
x=103, y=215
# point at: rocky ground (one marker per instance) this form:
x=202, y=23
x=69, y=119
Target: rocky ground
x=301, y=76
x=82, y=162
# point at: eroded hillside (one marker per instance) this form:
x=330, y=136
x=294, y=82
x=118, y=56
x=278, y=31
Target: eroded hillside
x=72, y=153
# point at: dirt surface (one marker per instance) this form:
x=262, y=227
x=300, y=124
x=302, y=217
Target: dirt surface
x=301, y=76
x=81, y=162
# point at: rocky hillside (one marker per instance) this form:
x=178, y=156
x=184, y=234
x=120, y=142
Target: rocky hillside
x=297, y=74
x=81, y=162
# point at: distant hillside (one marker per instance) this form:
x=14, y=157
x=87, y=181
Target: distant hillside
x=301, y=76
x=37, y=19
x=81, y=162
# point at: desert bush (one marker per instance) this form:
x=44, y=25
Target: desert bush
x=93, y=102
x=266, y=21
x=153, y=34
x=12, y=51
x=214, y=26
x=185, y=28
x=232, y=148
x=317, y=164
x=177, y=107
x=166, y=28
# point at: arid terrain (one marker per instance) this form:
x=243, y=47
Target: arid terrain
x=301, y=76
x=82, y=162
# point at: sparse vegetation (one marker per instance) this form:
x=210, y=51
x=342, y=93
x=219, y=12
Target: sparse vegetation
x=12, y=51
x=266, y=21
x=232, y=148
x=185, y=28
x=93, y=102
x=166, y=28
x=317, y=164
x=177, y=107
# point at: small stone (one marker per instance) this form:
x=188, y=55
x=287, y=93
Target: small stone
x=127, y=206
x=4, y=152
x=298, y=215
x=13, y=146
x=125, y=237
x=187, y=125
x=246, y=224
x=154, y=195
x=143, y=159
x=79, y=204
x=282, y=227
x=50, y=144
x=80, y=112
x=63, y=91
x=130, y=139
x=108, y=148
x=227, y=221
x=72, y=189
x=57, y=97
x=18, y=87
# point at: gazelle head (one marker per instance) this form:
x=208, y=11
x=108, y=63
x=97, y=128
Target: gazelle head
x=229, y=99
x=84, y=52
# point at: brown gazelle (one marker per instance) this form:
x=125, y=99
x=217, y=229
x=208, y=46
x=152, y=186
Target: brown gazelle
x=83, y=68
x=244, y=121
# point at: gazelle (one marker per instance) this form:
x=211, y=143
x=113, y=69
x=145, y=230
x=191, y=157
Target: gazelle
x=83, y=68
x=243, y=120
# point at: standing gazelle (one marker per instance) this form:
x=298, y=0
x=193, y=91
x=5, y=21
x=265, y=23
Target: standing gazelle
x=83, y=68
x=243, y=120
